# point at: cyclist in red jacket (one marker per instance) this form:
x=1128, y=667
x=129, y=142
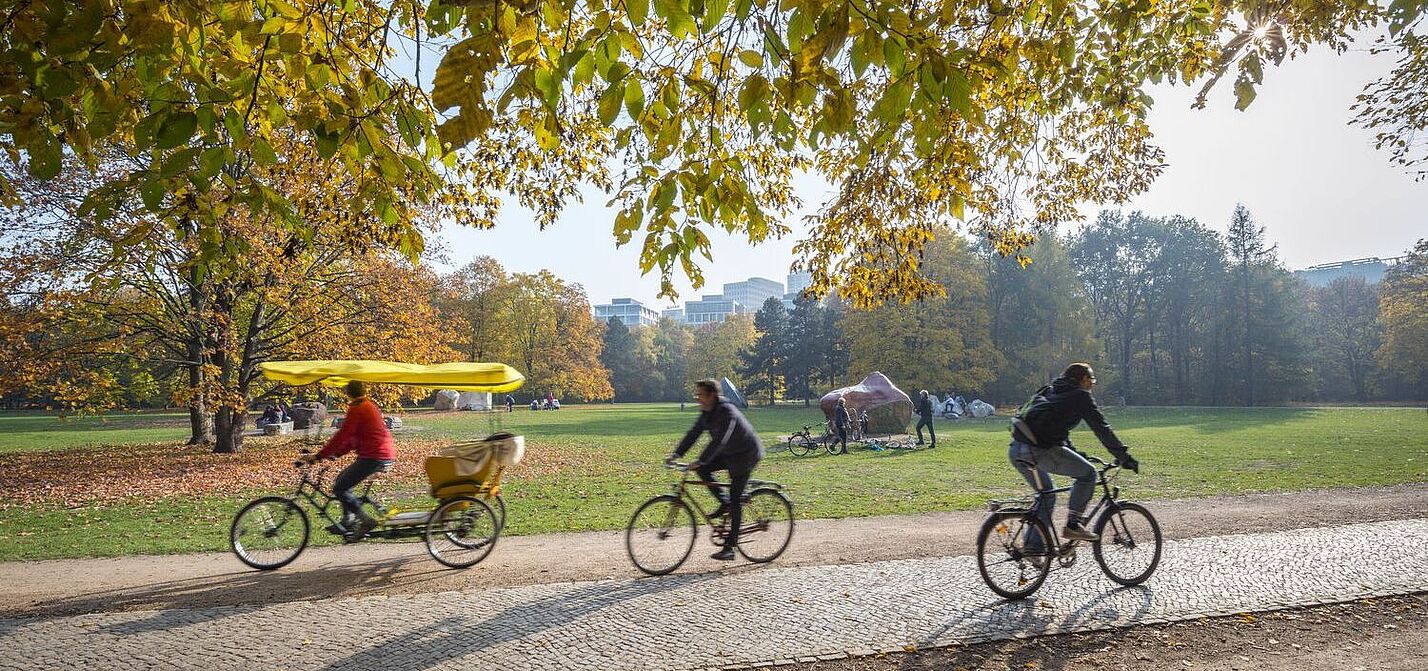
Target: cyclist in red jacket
x=365, y=431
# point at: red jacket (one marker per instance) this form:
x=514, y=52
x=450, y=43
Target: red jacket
x=363, y=430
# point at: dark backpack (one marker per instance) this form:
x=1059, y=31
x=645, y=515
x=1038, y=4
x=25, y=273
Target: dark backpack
x=1029, y=414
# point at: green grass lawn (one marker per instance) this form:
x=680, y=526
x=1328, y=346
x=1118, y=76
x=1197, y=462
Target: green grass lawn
x=600, y=462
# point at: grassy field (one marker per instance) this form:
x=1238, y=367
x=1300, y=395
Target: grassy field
x=589, y=467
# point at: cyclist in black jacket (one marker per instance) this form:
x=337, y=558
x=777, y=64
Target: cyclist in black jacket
x=1041, y=436
x=734, y=447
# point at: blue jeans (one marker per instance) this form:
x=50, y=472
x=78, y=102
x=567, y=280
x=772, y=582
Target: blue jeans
x=1060, y=460
x=359, y=470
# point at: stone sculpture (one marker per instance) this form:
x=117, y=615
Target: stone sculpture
x=889, y=409
x=308, y=415
x=446, y=399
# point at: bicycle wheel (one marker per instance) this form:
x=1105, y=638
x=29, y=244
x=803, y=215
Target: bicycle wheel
x=498, y=506
x=661, y=535
x=767, y=526
x=1002, y=557
x=269, y=533
x=831, y=444
x=1132, y=551
x=461, y=531
x=801, y=446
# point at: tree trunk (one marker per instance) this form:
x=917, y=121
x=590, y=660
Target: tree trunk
x=228, y=429
x=199, y=420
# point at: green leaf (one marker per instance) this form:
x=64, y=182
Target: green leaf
x=585, y=69
x=176, y=129
x=610, y=103
x=676, y=15
x=714, y=11
x=634, y=98
x=549, y=84
x=46, y=155
x=1244, y=94
x=263, y=152
x=152, y=193
x=752, y=58
x=895, y=55
x=637, y=10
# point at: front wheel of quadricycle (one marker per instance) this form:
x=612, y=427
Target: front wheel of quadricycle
x=498, y=506
x=462, y=531
x=1002, y=557
x=766, y=527
x=1129, y=546
x=661, y=535
x=269, y=533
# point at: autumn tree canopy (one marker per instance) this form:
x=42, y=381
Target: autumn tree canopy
x=692, y=114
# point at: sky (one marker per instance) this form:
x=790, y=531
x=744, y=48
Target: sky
x=1318, y=185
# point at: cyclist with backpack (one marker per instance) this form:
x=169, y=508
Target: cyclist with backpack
x=1041, y=436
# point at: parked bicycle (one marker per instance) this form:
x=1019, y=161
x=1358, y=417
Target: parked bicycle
x=661, y=535
x=803, y=443
x=1128, y=548
x=889, y=443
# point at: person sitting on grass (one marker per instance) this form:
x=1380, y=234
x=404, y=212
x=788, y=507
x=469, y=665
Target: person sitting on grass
x=365, y=431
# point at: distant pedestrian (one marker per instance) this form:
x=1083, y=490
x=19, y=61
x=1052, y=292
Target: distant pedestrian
x=510, y=403
x=841, y=420
x=924, y=417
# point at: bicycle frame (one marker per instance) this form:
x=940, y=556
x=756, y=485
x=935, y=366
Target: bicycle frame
x=310, y=489
x=687, y=478
x=1110, y=493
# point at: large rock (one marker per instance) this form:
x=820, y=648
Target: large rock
x=278, y=429
x=474, y=400
x=732, y=393
x=446, y=399
x=980, y=409
x=889, y=409
x=308, y=415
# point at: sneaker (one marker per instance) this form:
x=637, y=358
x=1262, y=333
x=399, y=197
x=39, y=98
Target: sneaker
x=364, y=525
x=727, y=554
x=337, y=529
x=1076, y=532
x=721, y=511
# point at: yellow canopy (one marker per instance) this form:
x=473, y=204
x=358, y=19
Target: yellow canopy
x=491, y=377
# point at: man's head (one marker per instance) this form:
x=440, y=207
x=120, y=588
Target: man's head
x=707, y=393
x=1081, y=374
x=923, y=393
x=355, y=389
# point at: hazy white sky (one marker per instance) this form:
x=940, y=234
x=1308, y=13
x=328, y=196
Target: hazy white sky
x=1318, y=185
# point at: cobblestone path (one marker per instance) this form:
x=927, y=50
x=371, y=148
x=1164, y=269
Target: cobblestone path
x=746, y=616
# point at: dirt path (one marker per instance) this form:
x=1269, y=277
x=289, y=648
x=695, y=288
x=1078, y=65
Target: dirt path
x=1388, y=634
x=187, y=581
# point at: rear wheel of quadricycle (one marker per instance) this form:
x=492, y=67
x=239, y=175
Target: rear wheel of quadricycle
x=1011, y=568
x=766, y=527
x=462, y=531
x=269, y=533
x=1129, y=546
x=661, y=535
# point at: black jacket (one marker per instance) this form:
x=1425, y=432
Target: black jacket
x=924, y=406
x=1059, y=409
x=734, y=439
x=841, y=417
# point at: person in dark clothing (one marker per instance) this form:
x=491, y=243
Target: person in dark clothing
x=734, y=447
x=841, y=419
x=510, y=403
x=1041, y=437
x=924, y=417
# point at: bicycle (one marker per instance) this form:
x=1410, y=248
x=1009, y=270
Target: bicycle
x=270, y=532
x=1014, y=572
x=881, y=444
x=655, y=537
x=802, y=443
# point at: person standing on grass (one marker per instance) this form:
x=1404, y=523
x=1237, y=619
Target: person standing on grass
x=924, y=417
x=841, y=420
x=365, y=431
x=734, y=447
x=1041, y=437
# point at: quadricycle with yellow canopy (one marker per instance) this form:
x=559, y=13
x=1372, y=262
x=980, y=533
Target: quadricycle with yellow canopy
x=462, y=527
